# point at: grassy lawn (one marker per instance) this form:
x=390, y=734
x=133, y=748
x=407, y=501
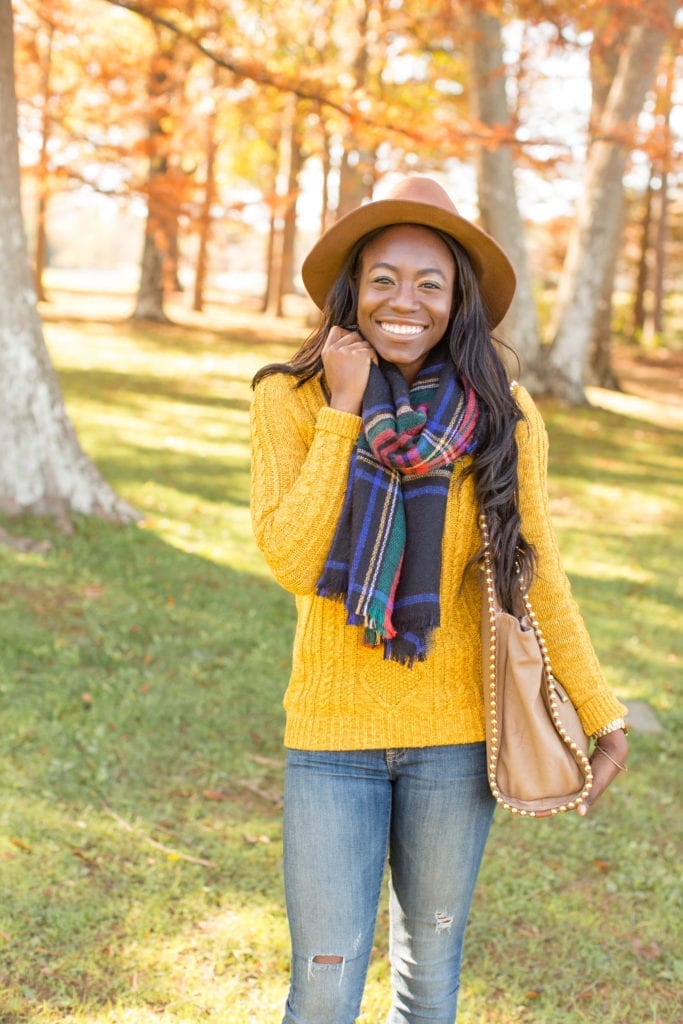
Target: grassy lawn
x=141, y=678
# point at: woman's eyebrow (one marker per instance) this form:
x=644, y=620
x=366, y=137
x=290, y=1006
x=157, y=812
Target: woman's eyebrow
x=425, y=270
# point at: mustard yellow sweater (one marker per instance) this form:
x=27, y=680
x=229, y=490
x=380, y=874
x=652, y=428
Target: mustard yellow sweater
x=342, y=695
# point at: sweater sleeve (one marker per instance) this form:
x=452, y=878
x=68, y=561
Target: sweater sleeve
x=300, y=454
x=572, y=656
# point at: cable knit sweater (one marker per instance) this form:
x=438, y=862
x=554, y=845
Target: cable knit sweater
x=343, y=695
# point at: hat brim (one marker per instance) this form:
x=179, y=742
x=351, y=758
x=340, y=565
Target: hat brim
x=491, y=265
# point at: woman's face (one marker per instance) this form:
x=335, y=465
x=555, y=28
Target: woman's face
x=405, y=294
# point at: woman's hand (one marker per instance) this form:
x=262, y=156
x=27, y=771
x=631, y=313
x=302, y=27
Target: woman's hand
x=607, y=761
x=346, y=360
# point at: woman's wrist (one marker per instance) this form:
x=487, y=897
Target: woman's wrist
x=346, y=403
x=613, y=726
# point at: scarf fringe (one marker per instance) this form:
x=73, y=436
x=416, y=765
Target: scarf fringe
x=405, y=652
x=331, y=593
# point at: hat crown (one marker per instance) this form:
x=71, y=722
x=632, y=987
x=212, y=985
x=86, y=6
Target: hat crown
x=417, y=189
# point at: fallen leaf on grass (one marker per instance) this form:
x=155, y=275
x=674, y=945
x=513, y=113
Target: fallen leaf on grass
x=214, y=794
x=174, y=854
x=49, y=969
x=21, y=844
x=252, y=840
x=597, y=987
x=646, y=950
x=270, y=761
x=270, y=796
x=85, y=857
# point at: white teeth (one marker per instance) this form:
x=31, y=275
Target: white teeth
x=405, y=329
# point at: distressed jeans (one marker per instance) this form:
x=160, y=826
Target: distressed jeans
x=430, y=809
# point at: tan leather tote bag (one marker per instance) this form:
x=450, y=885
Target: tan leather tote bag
x=537, y=751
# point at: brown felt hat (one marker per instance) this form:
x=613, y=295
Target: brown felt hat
x=414, y=200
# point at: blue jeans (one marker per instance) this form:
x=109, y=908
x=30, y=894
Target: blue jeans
x=431, y=809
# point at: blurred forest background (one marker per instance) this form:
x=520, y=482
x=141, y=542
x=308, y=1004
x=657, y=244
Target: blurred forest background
x=201, y=146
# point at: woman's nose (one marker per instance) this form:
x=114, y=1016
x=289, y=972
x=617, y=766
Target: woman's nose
x=404, y=297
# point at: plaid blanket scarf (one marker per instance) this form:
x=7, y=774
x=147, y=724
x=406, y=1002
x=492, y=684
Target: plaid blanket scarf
x=385, y=558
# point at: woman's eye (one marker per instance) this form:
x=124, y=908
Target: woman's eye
x=430, y=284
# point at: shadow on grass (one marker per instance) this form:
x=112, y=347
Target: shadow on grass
x=591, y=447
x=141, y=749
x=167, y=431
x=130, y=389
x=241, y=327
x=216, y=479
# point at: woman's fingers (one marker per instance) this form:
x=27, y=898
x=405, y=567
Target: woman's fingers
x=346, y=359
x=607, y=761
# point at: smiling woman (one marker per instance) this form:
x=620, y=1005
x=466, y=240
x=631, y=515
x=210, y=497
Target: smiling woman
x=374, y=451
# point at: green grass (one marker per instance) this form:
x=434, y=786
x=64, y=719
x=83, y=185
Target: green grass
x=141, y=678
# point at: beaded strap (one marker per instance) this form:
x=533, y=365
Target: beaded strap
x=553, y=697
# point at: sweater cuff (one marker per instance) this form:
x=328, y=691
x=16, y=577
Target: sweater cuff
x=600, y=710
x=335, y=421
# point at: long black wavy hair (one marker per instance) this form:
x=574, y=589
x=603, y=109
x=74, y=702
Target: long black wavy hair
x=473, y=351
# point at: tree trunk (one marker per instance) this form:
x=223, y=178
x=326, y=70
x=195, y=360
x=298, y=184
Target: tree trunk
x=604, y=62
x=283, y=207
x=150, y=300
x=666, y=101
x=660, y=258
x=326, y=161
x=596, y=227
x=172, y=282
x=274, y=282
x=270, y=262
x=43, y=165
x=356, y=173
x=153, y=270
x=600, y=370
x=43, y=469
x=356, y=179
x=207, y=203
x=289, y=227
x=639, y=306
x=497, y=194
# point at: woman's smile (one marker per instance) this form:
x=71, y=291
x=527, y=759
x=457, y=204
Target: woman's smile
x=402, y=329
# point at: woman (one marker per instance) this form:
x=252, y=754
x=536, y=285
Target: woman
x=374, y=450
